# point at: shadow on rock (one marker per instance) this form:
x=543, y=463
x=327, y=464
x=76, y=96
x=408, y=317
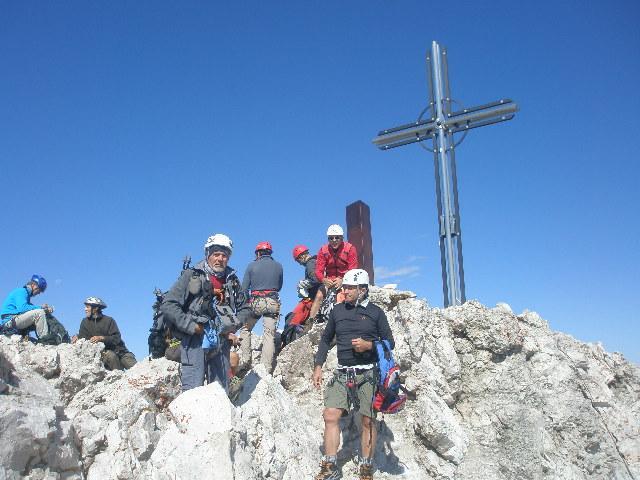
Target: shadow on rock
x=6, y=373
x=386, y=458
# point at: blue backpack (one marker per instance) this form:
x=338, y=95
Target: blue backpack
x=388, y=398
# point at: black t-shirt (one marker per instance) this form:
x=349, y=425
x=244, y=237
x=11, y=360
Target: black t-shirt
x=347, y=323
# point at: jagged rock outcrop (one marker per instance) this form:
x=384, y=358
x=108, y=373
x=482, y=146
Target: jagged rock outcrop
x=499, y=396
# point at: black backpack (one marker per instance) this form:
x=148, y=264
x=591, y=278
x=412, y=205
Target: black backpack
x=160, y=330
x=290, y=332
x=57, y=333
x=157, y=333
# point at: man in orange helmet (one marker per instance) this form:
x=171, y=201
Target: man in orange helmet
x=308, y=287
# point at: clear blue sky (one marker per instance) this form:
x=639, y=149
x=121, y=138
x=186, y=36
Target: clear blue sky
x=131, y=131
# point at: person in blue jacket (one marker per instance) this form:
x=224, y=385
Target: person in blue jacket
x=18, y=314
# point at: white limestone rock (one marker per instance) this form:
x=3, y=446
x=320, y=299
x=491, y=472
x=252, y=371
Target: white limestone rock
x=272, y=434
x=499, y=396
x=197, y=443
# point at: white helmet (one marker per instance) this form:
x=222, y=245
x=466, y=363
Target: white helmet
x=218, y=240
x=335, y=230
x=95, y=302
x=356, y=277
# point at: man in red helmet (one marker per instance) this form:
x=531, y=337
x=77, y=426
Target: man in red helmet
x=307, y=288
x=263, y=281
x=335, y=258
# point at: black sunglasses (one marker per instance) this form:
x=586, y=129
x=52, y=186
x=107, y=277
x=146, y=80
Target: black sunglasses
x=336, y=237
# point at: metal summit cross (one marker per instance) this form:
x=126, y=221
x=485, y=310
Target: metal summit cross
x=440, y=127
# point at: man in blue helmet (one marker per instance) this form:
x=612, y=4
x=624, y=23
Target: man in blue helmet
x=18, y=314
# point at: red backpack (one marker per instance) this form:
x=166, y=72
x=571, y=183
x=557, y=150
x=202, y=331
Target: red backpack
x=388, y=398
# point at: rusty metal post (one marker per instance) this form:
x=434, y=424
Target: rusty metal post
x=359, y=235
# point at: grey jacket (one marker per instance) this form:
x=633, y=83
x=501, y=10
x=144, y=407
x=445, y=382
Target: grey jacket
x=189, y=300
x=264, y=273
x=310, y=276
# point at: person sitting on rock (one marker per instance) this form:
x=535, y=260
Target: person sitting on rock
x=307, y=287
x=333, y=261
x=206, y=306
x=18, y=315
x=97, y=327
x=355, y=324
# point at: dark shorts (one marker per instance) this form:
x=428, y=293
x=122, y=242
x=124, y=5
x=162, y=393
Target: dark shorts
x=336, y=396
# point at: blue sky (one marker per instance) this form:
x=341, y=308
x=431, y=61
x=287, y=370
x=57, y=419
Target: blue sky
x=131, y=131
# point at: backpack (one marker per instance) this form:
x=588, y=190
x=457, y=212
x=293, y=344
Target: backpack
x=388, y=398
x=157, y=333
x=160, y=330
x=57, y=333
x=290, y=333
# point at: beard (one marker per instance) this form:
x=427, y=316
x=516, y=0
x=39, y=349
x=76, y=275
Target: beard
x=218, y=268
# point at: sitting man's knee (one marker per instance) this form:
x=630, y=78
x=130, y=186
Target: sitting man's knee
x=111, y=360
x=128, y=360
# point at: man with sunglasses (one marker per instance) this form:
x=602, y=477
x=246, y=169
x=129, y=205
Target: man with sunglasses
x=335, y=259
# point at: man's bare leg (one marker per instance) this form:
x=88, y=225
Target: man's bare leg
x=331, y=430
x=368, y=438
x=316, y=304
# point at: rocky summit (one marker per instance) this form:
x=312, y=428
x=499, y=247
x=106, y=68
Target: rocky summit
x=498, y=396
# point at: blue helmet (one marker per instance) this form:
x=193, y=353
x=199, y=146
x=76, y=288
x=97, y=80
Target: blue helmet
x=40, y=281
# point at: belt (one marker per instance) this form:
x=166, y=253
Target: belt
x=356, y=368
x=264, y=293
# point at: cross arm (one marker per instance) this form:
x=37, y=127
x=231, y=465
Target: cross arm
x=466, y=119
x=474, y=117
x=404, y=135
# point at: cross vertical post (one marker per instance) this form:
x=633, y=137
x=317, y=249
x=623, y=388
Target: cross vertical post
x=448, y=223
x=440, y=129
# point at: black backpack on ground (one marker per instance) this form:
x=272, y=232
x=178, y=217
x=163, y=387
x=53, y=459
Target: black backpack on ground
x=57, y=333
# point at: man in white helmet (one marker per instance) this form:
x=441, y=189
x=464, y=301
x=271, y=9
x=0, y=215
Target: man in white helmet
x=97, y=327
x=334, y=259
x=355, y=324
x=207, y=305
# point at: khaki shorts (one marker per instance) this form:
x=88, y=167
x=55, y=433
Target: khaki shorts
x=335, y=393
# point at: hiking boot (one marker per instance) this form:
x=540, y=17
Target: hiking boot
x=366, y=471
x=328, y=471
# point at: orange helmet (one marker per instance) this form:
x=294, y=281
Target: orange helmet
x=299, y=250
x=264, y=246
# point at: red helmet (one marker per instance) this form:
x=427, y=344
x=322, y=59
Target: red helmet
x=299, y=250
x=264, y=246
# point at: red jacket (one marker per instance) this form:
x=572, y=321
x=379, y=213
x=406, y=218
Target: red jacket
x=335, y=263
